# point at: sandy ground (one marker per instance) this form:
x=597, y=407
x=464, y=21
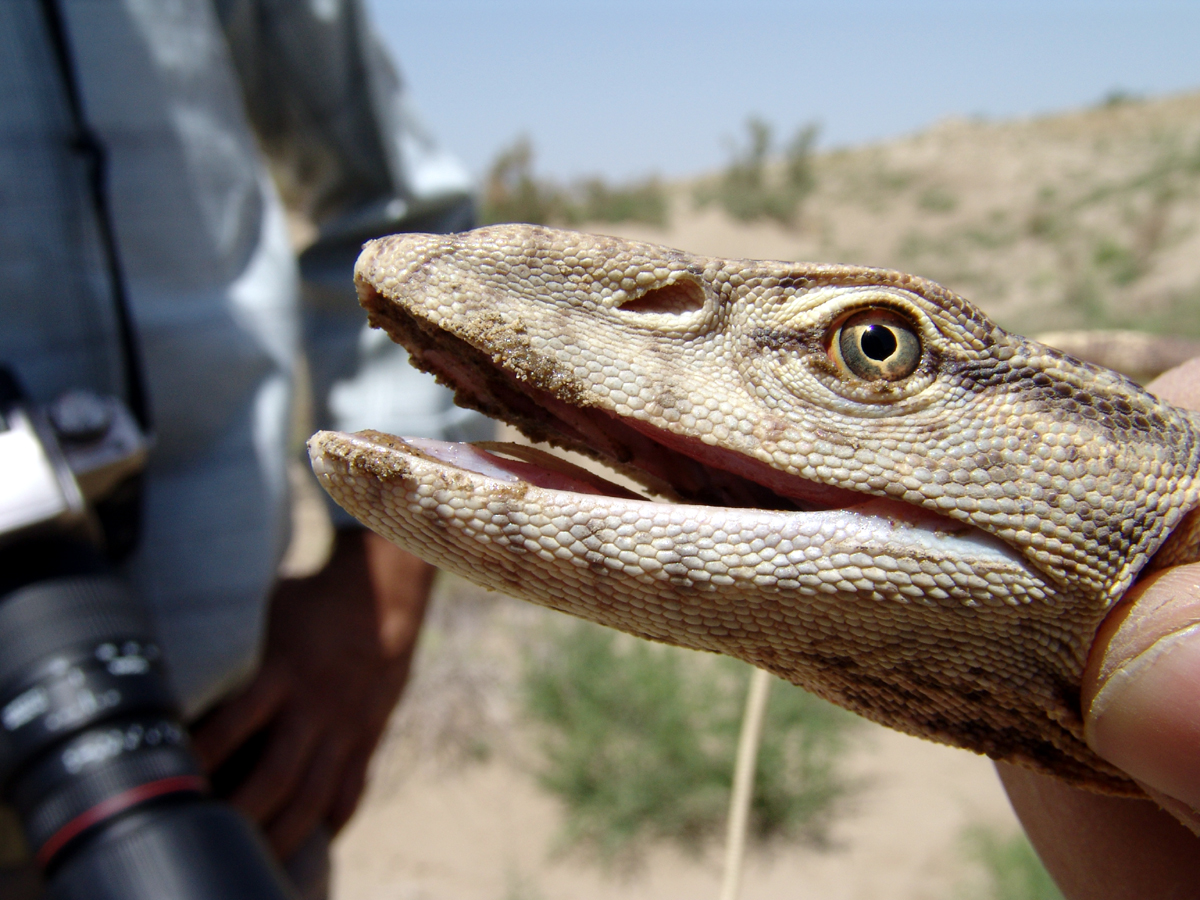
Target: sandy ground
x=486, y=832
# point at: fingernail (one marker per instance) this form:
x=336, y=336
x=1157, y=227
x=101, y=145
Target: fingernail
x=1145, y=717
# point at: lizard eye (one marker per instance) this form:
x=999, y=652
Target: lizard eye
x=877, y=344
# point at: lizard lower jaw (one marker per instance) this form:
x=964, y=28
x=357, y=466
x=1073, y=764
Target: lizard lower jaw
x=385, y=462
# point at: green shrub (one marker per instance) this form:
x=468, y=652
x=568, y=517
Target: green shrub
x=1009, y=868
x=749, y=190
x=937, y=199
x=1118, y=97
x=1118, y=262
x=598, y=201
x=638, y=741
x=512, y=193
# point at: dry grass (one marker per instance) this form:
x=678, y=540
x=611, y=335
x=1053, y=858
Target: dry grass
x=1084, y=220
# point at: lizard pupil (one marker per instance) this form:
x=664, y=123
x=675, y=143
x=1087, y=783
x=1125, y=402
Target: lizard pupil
x=877, y=342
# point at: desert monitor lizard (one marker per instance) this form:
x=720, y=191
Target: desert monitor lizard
x=861, y=484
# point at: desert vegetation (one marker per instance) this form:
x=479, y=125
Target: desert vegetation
x=513, y=192
x=637, y=740
x=759, y=184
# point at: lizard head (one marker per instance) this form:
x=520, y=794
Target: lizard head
x=789, y=385
x=867, y=486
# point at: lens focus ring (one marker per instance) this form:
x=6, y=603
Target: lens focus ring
x=74, y=690
x=99, y=774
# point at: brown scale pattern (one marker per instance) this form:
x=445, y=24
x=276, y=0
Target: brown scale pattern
x=1075, y=468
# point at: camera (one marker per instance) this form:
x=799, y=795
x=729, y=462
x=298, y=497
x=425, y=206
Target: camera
x=93, y=756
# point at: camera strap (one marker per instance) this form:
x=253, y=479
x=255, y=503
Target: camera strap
x=87, y=143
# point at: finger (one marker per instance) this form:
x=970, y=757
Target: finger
x=1102, y=848
x=1180, y=385
x=234, y=722
x=1141, y=690
x=287, y=754
x=308, y=804
x=354, y=782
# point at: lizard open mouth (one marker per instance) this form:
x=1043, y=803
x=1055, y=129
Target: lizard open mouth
x=663, y=466
x=520, y=463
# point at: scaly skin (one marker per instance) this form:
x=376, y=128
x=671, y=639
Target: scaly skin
x=932, y=548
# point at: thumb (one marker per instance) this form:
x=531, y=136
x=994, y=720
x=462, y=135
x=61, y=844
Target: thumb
x=1141, y=690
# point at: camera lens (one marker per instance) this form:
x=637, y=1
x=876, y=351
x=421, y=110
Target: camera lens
x=92, y=754
x=86, y=721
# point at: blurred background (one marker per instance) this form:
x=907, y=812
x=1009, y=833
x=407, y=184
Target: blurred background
x=628, y=88
x=1042, y=159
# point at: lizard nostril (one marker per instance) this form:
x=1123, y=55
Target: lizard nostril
x=683, y=296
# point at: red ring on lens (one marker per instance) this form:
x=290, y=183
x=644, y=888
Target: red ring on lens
x=109, y=807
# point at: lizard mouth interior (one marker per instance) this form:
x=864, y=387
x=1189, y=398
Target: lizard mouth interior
x=664, y=465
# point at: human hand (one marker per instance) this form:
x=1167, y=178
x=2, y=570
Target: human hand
x=1141, y=702
x=337, y=655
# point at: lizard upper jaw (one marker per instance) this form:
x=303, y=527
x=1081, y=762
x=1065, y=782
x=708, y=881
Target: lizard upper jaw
x=673, y=466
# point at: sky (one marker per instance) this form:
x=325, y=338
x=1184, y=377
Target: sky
x=628, y=88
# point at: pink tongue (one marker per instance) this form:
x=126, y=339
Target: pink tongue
x=472, y=459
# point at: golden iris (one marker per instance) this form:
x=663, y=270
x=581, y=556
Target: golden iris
x=877, y=344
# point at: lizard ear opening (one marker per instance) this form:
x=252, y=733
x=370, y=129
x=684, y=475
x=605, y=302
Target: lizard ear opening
x=682, y=296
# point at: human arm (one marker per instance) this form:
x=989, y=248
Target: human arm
x=337, y=655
